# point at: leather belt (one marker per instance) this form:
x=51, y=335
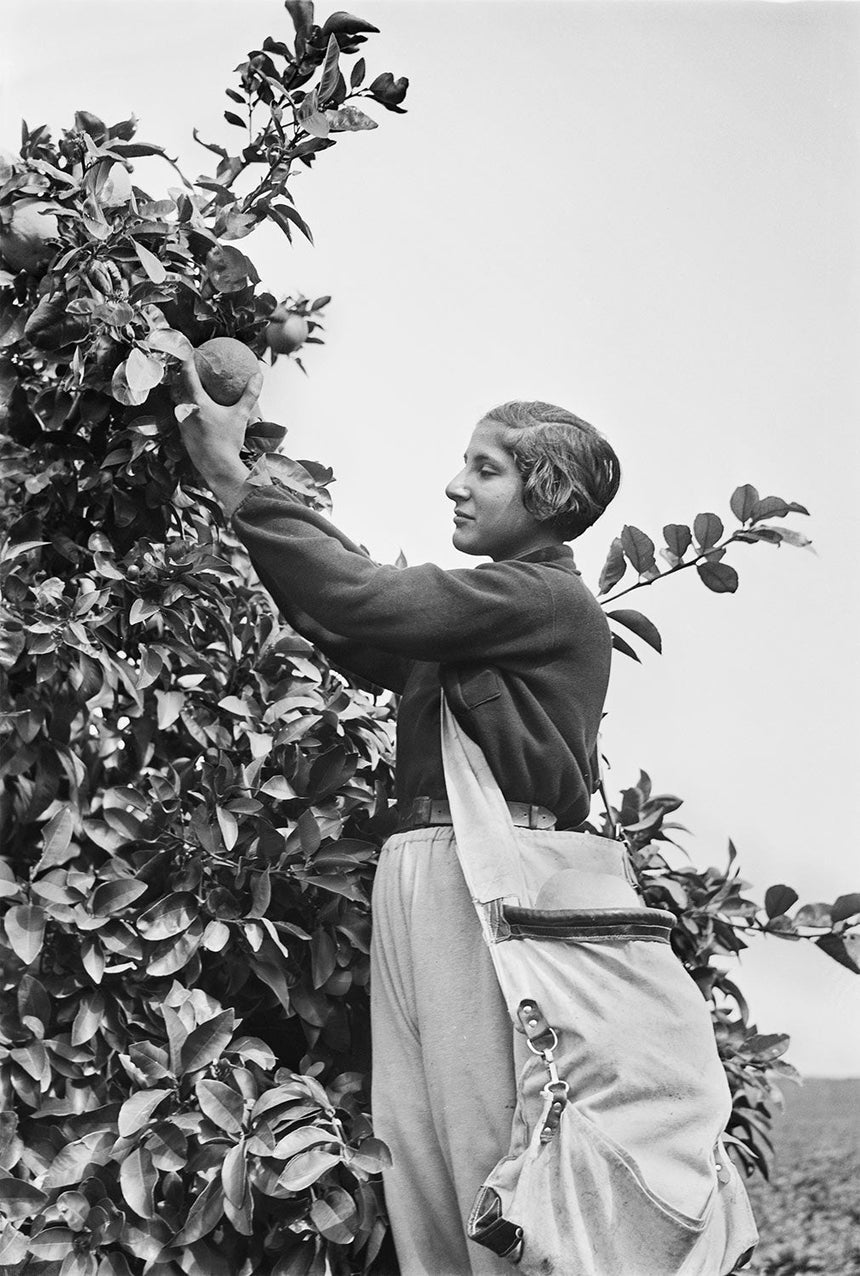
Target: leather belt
x=426, y=811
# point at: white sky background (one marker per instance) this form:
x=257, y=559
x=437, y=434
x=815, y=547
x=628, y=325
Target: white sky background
x=649, y=214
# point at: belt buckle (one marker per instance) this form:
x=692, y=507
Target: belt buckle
x=420, y=813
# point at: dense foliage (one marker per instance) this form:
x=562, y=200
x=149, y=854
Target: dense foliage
x=191, y=798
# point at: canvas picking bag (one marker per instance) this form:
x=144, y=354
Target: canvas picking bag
x=616, y=1165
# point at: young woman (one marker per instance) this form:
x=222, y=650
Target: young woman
x=522, y=651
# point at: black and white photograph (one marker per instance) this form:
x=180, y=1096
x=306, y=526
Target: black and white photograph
x=429, y=481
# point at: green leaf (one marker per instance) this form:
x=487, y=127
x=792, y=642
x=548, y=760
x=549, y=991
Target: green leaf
x=138, y=1178
x=284, y=215
x=707, y=529
x=168, y=1146
x=216, y=936
x=88, y=1018
x=620, y=644
x=173, y=954
x=753, y=534
x=640, y=625
x=329, y=771
x=678, y=538
x=719, y=577
x=207, y=1042
x=33, y=1000
x=228, y=825
x=844, y=948
x=302, y=14
x=122, y=389
x=347, y=24
x=168, y=917
x=614, y=567
x=845, y=906
x=775, y=507
x=306, y=1136
x=79, y=1263
x=788, y=536
x=177, y=1035
x=169, y=341
x=113, y=897
x=19, y=1199
x=234, y=1174
x=767, y=1046
x=143, y=372
x=349, y=119
x=74, y=1208
x=13, y=1248
x=241, y=1216
x=335, y=1216
x=235, y=704
x=12, y=643
x=357, y=73
x=329, y=76
x=52, y=1244
x=279, y=787
x=204, y=1214
x=229, y=269
x=743, y=502
x=323, y=956
x=813, y=915
x=778, y=900
x=56, y=841
x=372, y=1156
x=279, y=1096
x=170, y=705
x=25, y=931
x=255, y=1050
x=137, y=1110
x=221, y=1104
x=638, y=548
x=307, y=1167
x=151, y=264
x=73, y=1158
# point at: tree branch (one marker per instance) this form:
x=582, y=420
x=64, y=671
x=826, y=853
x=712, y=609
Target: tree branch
x=679, y=567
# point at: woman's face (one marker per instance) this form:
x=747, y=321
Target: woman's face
x=489, y=515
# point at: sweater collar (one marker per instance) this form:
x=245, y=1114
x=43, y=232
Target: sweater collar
x=545, y=554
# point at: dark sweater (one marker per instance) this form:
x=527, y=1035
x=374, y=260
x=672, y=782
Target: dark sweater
x=521, y=647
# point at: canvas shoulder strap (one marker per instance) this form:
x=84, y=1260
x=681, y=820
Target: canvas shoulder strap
x=484, y=832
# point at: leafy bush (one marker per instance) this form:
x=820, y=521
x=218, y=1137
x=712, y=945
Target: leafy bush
x=191, y=798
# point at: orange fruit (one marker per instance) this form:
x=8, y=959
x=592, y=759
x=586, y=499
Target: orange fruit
x=225, y=366
x=26, y=243
x=285, y=332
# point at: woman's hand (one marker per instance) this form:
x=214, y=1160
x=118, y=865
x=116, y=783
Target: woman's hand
x=213, y=435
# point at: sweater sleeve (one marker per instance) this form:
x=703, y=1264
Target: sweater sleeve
x=422, y=613
x=382, y=668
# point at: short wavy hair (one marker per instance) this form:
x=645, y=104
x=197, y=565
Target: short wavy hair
x=570, y=473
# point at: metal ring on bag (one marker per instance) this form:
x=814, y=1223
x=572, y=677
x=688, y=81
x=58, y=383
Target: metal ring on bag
x=543, y=1054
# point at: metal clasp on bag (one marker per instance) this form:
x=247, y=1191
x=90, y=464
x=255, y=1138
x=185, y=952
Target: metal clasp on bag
x=542, y=1040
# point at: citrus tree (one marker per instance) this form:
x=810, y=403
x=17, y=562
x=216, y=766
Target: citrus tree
x=192, y=799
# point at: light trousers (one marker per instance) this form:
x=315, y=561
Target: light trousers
x=444, y=1054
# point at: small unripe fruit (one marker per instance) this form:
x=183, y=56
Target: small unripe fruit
x=225, y=366
x=285, y=332
x=25, y=244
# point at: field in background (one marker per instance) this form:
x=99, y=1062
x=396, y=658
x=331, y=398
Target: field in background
x=809, y=1214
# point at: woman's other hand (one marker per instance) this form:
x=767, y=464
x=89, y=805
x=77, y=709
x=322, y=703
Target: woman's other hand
x=212, y=434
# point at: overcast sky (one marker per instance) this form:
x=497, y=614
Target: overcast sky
x=647, y=213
